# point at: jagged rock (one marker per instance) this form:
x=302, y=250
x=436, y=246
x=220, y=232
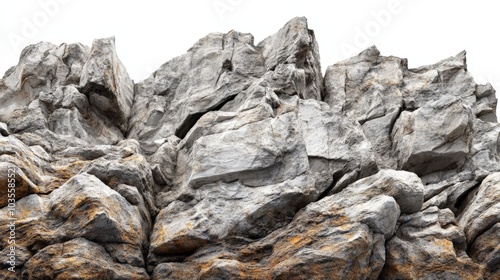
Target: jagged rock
x=426, y=84
x=432, y=232
x=362, y=215
x=480, y=222
x=270, y=156
x=386, y=97
x=295, y=45
x=42, y=67
x=433, y=138
x=27, y=168
x=338, y=151
x=126, y=166
x=240, y=161
x=232, y=183
x=63, y=114
x=173, y=271
x=106, y=82
x=321, y=241
x=484, y=149
x=485, y=108
x=365, y=87
x=378, y=131
x=41, y=99
x=78, y=258
x=213, y=71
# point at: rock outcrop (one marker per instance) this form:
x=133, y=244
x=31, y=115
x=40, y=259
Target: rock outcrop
x=239, y=160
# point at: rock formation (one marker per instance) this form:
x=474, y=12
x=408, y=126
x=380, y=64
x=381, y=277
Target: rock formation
x=239, y=160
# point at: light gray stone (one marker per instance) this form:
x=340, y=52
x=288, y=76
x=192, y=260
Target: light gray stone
x=107, y=84
x=295, y=44
x=433, y=138
x=212, y=72
x=338, y=151
x=41, y=67
x=321, y=242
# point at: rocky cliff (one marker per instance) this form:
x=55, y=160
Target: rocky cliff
x=239, y=160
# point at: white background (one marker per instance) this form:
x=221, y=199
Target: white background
x=149, y=33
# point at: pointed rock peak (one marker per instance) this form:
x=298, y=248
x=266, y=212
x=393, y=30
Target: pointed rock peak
x=33, y=49
x=462, y=56
x=221, y=40
x=295, y=44
x=211, y=40
x=107, y=84
x=370, y=55
x=289, y=45
x=458, y=61
x=102, y=44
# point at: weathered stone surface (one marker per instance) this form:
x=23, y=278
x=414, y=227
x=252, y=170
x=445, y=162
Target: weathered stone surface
x=214, y=70
x=432, y=232
x=245, y=173
x=484, y=149
x=390, y=101
x=42, y=67
x=365, y=87
x=338, y=151
x=321, y=241
x=40, y=100
x=126, y=166
x=452, y=193
x=106, y=82
x=61, y=119
x=433, y=138
x=239, y=160
x=426, y=84
x=78, y=259
x=480, y=222
x=27, y=169
x=82, y=207
x=295, y=44
x=164, y=160
x=232, y=183
x=485, y=108
x=14, y=184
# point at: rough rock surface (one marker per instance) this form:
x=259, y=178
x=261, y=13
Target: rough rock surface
x=242, y=161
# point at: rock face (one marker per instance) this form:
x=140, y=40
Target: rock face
x=242, y=161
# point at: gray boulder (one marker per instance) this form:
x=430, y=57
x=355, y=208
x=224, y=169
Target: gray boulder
x=41, y=67
x=480, y=222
